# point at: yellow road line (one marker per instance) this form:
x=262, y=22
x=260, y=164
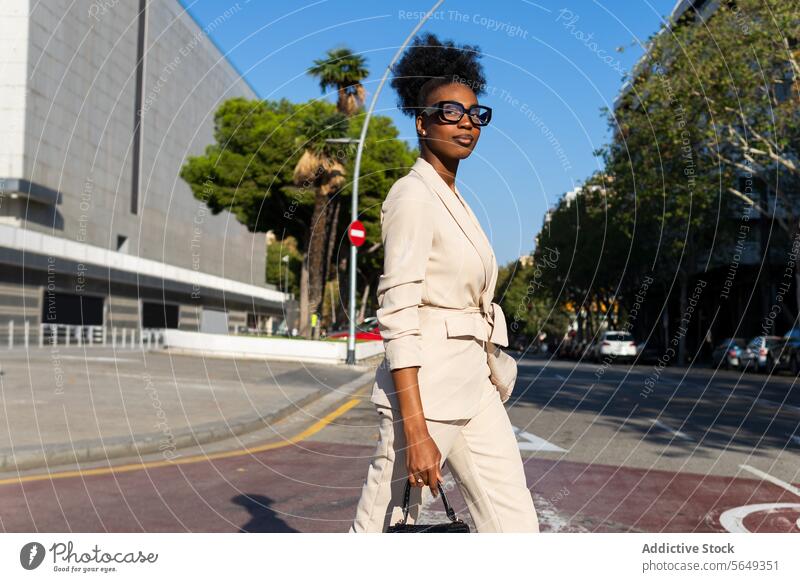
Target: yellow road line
x=313, y=429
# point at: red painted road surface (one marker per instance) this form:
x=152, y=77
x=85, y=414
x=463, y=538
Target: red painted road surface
x=314, y=488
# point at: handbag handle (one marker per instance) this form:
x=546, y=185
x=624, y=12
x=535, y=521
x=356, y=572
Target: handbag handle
x=449, y=510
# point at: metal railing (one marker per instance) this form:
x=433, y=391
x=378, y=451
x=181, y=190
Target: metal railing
x=29, y=336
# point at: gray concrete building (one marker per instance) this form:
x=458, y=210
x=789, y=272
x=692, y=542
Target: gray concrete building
x=101, y=102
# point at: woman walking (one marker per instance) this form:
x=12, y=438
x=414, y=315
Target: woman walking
x=435, y=311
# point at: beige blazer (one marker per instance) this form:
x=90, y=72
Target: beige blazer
x=435, y=307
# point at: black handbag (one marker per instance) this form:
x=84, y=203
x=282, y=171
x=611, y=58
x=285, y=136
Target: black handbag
x=455, y=525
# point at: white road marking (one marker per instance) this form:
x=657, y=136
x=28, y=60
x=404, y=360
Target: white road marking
x=535, y=443
x=677, y=433
x=560, y=377
x=733, y=519
x=774, y=480
x=548, y=514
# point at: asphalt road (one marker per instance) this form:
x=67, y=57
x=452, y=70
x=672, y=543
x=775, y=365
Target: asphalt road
x=606, y=449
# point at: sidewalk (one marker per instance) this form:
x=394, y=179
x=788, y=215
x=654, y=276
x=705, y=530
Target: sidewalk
x=65, y=405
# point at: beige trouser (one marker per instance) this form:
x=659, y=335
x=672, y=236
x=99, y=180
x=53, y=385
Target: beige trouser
x=483, y=456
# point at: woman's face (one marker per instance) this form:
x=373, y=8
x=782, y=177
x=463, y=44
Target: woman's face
x=449, y=140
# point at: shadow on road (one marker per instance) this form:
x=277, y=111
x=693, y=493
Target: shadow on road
x=263, y=519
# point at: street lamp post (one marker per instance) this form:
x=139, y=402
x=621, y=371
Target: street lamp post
x=351, y=336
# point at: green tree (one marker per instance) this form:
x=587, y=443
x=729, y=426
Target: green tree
x=249, y=167
x=744, y=65
x=712, y=102
x=283, y=265
x=583, y=255
x=249, y=170
x=529, y=308
x=670, y=202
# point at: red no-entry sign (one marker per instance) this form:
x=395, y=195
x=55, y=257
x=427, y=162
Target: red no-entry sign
x=356, y=233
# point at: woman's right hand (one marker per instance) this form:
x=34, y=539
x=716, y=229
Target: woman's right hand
x=423, y=458
x=423, y=461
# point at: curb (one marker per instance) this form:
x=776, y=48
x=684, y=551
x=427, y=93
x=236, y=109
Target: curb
x=368, y=361
x=116, y=447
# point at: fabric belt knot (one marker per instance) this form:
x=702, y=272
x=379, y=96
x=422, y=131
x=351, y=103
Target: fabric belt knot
x=496, y=321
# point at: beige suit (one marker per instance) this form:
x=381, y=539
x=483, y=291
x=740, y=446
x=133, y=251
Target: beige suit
x=435, y=306
x=435, y=311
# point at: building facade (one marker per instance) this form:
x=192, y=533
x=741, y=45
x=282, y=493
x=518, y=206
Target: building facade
x=101, y=103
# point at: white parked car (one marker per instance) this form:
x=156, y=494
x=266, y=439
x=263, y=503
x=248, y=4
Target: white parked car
x=617, y=345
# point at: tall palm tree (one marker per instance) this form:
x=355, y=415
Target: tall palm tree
x=320, y=168
x=320, y=171
x=342, y=70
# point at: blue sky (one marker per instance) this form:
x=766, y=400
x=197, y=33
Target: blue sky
x=550, y=67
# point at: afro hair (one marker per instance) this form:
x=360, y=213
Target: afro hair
x=429, y=63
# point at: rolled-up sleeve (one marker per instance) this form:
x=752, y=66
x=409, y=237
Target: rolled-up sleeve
x=407, y=234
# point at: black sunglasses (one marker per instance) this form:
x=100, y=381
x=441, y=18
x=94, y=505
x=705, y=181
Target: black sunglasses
x=453, y=111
